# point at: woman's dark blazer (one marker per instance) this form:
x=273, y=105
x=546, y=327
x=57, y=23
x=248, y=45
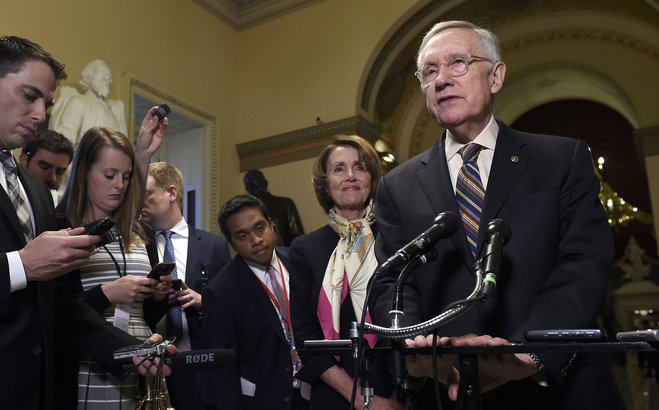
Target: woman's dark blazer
x=310, y=254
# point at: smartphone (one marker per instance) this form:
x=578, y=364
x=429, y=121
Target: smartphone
x=162, y=111
x=567, y=335
x=99, y=227
x=161, y=269
x=142, y=350
x=177, y=284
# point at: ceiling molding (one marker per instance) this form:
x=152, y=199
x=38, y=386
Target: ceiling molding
x=301, y=144
x=243, y=14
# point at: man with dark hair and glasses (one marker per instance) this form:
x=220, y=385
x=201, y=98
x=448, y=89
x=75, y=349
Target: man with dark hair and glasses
x=47, y=156
x=554, y=271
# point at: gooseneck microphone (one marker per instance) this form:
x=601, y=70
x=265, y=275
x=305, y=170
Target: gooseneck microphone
x=444, y=225
x=497, y=234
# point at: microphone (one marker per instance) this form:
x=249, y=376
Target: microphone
x=498, y=234
x=209, y=359
x=443, y=226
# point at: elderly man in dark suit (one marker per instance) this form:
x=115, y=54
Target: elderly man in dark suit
x=246, y=309
x=32, y=253
x=555, y=268
x=198, y=254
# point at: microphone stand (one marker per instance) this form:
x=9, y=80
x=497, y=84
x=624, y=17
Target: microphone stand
x=451, y=312
x=469, y=389
x=483, y=287
x=398, y=360
x=498, y=234
x=362, y=367
x=153, y=385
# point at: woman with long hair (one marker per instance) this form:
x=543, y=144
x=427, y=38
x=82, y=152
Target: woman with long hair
x=107, y=180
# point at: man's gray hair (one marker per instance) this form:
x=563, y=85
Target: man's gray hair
x=489, y=42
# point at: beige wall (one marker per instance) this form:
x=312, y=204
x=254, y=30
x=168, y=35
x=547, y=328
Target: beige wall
x=174, y=45
x=275, y=77
x=305, y=65
x=279, y=76
x=309, y=63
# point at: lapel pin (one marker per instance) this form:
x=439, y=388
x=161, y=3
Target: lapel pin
x=514, y=158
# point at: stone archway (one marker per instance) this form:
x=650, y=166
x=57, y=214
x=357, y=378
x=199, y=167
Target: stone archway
x=389, y=94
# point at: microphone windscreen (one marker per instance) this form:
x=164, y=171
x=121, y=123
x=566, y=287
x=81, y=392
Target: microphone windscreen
x=447, y=223
x=202, y=360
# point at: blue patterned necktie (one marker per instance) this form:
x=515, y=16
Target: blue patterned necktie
x=15, y=194
x=470, y=194
x=174, y=315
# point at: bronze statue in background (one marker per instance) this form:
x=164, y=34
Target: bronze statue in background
x=283, y=212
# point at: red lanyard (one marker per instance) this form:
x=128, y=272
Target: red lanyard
x=274, y=299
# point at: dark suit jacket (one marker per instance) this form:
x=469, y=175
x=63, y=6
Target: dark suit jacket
x=204, y=248
x=239, y=315
x=310, y=255
x=209, y=250
x=28, y=317
x=555, y=268
x=212, y=251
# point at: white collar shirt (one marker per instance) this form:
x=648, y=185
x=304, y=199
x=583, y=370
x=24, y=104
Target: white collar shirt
x=487, y=139
x=262, y=275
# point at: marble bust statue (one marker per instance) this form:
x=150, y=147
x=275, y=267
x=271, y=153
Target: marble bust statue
x=74, y=113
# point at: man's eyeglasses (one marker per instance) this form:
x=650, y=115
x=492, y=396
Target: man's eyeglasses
x=456, y=67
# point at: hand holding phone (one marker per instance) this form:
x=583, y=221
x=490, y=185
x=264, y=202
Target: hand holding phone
x=177, y=284
x=101, y=227
x=162, y=111
x=161, y=269
x=98, y=227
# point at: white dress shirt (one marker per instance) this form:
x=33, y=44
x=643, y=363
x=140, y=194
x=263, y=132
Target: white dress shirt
x=262, y=275
x=487, y=139
x=180, y=234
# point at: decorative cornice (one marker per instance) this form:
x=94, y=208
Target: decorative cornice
x=241, y=15
x=503, y=12
x=614, y=38
x=301, y=144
